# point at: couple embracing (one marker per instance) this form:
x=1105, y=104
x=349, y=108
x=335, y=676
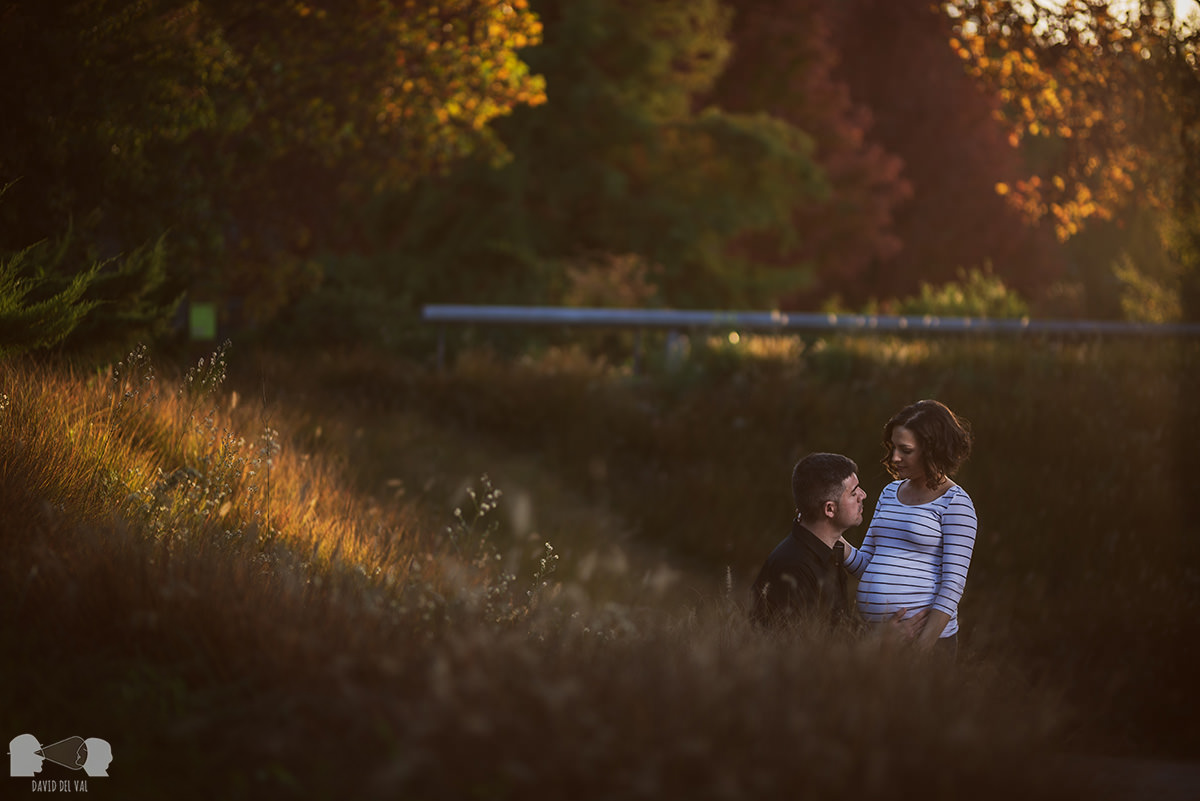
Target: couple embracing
x=912, y=566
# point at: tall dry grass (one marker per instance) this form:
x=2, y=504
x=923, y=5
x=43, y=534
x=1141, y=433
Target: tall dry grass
x=1084, y=474
x=166, y=532
x=184, y=579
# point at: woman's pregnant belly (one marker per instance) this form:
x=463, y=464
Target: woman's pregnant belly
x=885, y=589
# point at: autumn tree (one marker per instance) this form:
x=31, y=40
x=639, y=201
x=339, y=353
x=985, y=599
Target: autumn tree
x=894, y=57
x=1106, y=103
x=245, y=130
x=621, y=161
x=783, y=64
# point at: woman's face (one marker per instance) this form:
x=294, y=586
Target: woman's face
x=907, y=461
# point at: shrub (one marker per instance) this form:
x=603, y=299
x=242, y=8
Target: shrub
x=976, y=293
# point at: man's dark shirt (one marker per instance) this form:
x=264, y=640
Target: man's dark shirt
x=803, y=576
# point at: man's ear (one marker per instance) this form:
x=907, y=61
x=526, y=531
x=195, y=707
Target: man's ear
x=830, y=509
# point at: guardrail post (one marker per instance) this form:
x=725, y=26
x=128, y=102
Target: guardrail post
x=675, y=354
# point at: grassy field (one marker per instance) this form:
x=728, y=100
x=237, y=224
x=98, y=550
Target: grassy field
x=1086, y=571
x=260, y=587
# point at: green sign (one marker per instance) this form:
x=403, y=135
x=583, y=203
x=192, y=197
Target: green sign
x=202, y=321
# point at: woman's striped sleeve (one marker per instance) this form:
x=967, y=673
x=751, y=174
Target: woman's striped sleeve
x=959, y=525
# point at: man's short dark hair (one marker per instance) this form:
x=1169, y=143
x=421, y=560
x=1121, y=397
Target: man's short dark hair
x=818, y=478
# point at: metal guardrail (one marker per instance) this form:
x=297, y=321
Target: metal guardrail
x=782, y=322
x=785, y=321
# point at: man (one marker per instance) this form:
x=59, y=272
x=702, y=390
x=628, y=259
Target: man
x=803, y=575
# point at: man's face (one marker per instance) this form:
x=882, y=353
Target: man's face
x=849, y=512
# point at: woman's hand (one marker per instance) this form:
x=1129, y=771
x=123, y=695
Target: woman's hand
x=907, y=629
x=932, y=629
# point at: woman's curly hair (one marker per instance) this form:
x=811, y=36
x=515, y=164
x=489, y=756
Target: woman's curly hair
x=944, y=437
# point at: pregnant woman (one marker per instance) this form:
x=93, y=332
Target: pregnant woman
x=918, y=548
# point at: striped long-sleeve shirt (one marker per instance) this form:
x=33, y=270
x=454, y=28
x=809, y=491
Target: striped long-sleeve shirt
x=915, y=556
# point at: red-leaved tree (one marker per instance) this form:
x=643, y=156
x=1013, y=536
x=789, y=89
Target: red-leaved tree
x=897, y=60
x=784, y=64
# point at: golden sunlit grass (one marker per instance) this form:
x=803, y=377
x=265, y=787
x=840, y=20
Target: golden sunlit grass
x=166, y=526
x=187, y=574
x=188, y=467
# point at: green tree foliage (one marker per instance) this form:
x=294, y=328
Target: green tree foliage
x=35, y=310
x=131, y=298
x=242, y=128
x=618, y=161
x=1106, y=101
x=1144, y=298
x=47, y=300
